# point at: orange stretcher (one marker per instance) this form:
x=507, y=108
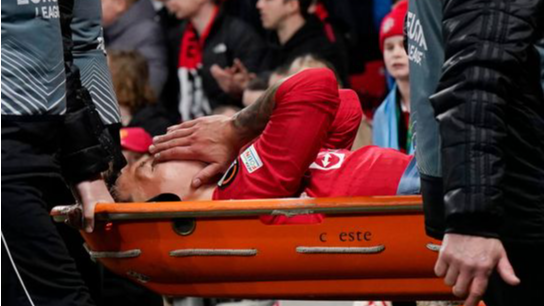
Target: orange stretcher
x=365, y=248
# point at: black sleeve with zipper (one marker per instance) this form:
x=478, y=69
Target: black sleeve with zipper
x=489, y=105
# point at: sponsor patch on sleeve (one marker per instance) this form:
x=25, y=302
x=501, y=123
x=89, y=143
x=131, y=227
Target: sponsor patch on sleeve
x=251, y=159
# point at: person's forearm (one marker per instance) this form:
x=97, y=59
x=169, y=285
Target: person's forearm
x=90, y=192
x=251, y=121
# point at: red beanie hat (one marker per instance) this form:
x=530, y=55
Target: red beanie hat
x=393, y=23
x=135, y=139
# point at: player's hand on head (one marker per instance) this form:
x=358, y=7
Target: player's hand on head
x=466, y=262
x=209, y=139
x=88, y=194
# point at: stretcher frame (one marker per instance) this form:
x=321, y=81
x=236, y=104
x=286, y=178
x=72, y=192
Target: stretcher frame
x=366, y=248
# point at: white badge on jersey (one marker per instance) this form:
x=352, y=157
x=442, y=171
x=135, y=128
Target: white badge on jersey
x=328, y=161
x=251, y=159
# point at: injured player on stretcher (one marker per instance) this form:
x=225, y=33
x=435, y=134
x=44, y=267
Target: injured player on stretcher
x=295, y=139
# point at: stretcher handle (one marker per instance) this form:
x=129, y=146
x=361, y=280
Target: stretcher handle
x=340, y=250
x=213, y=252
x=112, y=254
x=240, y=208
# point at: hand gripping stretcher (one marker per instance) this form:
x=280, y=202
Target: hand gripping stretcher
x=365, y=248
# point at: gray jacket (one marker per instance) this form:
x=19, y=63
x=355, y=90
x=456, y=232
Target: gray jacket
x=51, y=53
x=33, y=76
x=137, y=30
x=426, y=56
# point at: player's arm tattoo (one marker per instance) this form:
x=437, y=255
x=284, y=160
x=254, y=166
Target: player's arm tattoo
x=252, y=120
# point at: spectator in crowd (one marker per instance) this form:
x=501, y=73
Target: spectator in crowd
x=164, y=17
x=358, y=23
x=391, y=128
x=478, y=113
x=137, y=101
x=247, y=11
x=294, y=32
x=130, y=25
x=207, y=37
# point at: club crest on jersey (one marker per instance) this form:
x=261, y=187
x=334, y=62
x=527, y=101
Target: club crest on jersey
x=328, y=161
x=229, y=176
x=251, y=159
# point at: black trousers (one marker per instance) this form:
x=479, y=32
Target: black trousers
x=528, y=263
x=36, y=266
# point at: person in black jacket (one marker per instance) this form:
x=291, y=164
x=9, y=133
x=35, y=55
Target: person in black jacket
x=294, y=32
x=482, y=159
x=208, y=37
x=130, y=25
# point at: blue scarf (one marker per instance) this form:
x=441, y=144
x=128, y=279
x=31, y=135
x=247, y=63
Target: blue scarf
x=385, y=130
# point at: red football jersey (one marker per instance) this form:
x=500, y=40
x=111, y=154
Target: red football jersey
x=290, y=147
x=369, y=171
x=273, y=166
x=346, y=123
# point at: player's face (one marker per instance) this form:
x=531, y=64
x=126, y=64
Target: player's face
x=145, y=179
x=274, y=12
x=184, y=8
x=395, y=58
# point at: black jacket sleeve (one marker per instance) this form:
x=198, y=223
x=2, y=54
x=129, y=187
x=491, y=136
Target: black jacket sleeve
x=489, y=54
x=541, y=51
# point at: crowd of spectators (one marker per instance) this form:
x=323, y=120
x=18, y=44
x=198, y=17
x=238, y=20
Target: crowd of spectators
x=216, y=56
